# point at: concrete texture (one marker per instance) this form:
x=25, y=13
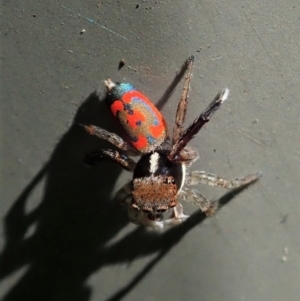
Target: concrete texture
x=62, y=236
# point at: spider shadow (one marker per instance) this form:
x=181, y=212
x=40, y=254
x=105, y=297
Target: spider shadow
x=55, y=242
x=171, y=88
x=61, y=242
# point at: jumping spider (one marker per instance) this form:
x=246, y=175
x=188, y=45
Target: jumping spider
x=159, y=176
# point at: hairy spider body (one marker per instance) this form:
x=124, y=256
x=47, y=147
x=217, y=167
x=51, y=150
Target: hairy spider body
x=159, y=177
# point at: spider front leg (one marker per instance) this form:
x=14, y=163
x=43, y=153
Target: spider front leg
x=203, y=177
x=113, y=155
x=195, y=197
x=178, y=216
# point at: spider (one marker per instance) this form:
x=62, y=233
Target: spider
x=159, y=178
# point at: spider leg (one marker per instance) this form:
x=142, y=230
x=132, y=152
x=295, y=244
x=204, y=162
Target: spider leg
x=178, y=218
x=203, y=177
x=112, y=138
x=195, y=127
x=182, y=105
x=189, y=155
x=113, y=155
x=195, y=197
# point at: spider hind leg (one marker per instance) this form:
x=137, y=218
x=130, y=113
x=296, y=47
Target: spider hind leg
x=112, y=138
x=183, y=103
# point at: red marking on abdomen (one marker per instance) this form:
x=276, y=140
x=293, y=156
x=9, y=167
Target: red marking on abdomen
x=140, y=120
x=116, y=107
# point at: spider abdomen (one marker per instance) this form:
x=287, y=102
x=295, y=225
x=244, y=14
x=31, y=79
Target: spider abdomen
x=144, y=125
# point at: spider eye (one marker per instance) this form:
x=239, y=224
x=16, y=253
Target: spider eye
x=169, y=180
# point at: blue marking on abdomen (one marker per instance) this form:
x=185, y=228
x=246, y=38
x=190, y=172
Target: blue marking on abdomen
x=124, y=88
x=149, y=109
x=151, y=140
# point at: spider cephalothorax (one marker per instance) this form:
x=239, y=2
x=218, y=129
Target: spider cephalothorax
x=155, y=173
x=159, y=177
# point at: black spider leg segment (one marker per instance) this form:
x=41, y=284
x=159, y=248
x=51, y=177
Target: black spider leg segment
x=113, y=155
x=195, y=127
x=112, y=138
x=183, y=103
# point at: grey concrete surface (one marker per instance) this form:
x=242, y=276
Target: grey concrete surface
x=62, y=236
